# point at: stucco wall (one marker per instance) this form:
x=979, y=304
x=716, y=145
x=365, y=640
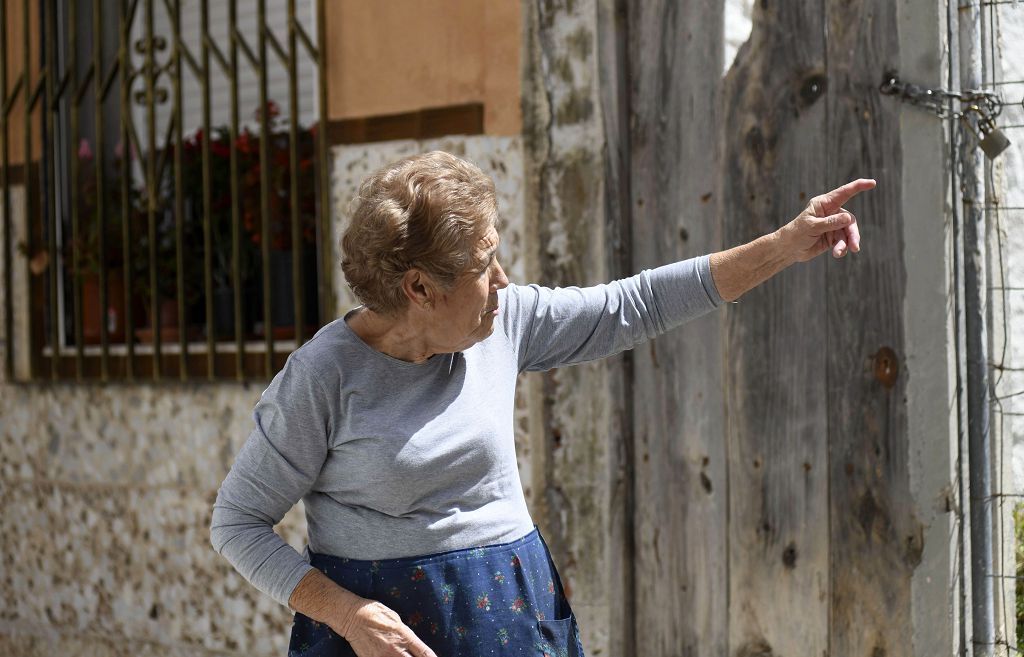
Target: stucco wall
x=1009, y=272
x=391, y=57
x=1006, y=311
x=106, y=493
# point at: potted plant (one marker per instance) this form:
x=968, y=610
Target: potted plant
x=246, y=147
x=223, y=270
x=84, y=259
x=165, y=293
x=279, y=227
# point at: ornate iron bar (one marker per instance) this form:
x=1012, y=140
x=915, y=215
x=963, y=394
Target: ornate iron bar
x=127, y=130
x=50, y=183
x=100, y=91
x=207, y=191
x=104, y=225
x=268, y=332
x=27, y=123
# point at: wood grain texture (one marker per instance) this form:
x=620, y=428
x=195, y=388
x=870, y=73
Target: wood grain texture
x=577, y=462
x=613, y=71
x=675, y=54
x=777, y=426
x=876, y=541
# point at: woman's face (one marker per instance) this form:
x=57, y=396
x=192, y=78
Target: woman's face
x=465, y=313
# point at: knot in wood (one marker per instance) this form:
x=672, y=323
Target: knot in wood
x=812, y=88
x=755, y=648
x=887, y=366
x=789, y=556
x=756, y=144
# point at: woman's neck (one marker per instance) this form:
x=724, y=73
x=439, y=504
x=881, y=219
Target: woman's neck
x=394, y=336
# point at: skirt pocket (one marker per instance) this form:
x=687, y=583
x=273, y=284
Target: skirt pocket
x=559, y=638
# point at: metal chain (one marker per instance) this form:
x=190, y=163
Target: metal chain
x=985, y=103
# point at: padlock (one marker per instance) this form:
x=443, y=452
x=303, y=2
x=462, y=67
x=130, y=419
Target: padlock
x=993, y=142
x=991, y=139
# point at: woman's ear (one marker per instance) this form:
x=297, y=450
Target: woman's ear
x=419, y=289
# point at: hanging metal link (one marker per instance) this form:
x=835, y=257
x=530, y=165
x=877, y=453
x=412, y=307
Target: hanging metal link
x=974, y=108
x=937, y=100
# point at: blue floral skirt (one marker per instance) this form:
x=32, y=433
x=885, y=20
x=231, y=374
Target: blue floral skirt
x=502, y=599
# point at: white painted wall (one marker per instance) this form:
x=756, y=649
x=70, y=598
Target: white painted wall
x=1008, y=238
x=737, y=27
x=1005, y=65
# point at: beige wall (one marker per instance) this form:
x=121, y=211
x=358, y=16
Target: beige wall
x=405, y=55
x=14, y=61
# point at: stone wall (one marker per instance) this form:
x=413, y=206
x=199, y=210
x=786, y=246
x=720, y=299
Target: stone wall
x=106, y=493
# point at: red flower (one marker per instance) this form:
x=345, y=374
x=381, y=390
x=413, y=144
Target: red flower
x=84, y=150
x=244, y=143
x=220, y=149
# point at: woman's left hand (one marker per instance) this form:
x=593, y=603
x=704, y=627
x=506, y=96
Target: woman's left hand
x=825, y=224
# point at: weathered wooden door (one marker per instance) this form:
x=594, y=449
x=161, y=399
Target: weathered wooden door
x=772, y=514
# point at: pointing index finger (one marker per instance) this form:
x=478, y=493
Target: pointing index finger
x=832, y=201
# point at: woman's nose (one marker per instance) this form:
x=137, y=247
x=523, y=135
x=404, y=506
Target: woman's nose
x=498, y=279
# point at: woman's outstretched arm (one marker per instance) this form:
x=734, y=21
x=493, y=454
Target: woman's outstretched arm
x=823, y=225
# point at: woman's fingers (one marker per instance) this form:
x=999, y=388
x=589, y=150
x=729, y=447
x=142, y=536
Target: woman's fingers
x=839, y=232
x=379, y=630
x=831, y=201
x=833, y=222
x=852, y=237
x=417, y=648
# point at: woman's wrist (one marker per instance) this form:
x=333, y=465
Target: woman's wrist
x=319, y=598
x=348, y=615
x=742, y=268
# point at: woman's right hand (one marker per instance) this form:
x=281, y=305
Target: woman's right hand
x=375, y=630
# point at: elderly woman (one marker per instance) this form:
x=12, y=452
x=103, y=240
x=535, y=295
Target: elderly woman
x=393, y=423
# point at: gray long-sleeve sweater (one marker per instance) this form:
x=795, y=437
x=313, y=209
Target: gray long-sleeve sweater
x=394, y=459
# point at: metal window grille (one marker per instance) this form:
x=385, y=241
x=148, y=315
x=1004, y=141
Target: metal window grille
x=159, y=250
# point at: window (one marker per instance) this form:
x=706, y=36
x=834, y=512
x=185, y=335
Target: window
x=172, y=203
x=164, y=171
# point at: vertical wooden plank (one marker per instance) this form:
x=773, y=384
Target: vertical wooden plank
x=575, y=466
x=675, y=52
x=773, y=162
x=613, y=69
x=876, y=541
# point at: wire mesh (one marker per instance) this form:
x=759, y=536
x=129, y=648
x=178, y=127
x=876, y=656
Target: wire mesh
x=1005, y=25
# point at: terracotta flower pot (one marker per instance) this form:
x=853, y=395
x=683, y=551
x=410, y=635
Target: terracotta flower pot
x=168, y=318
x=93, y=315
